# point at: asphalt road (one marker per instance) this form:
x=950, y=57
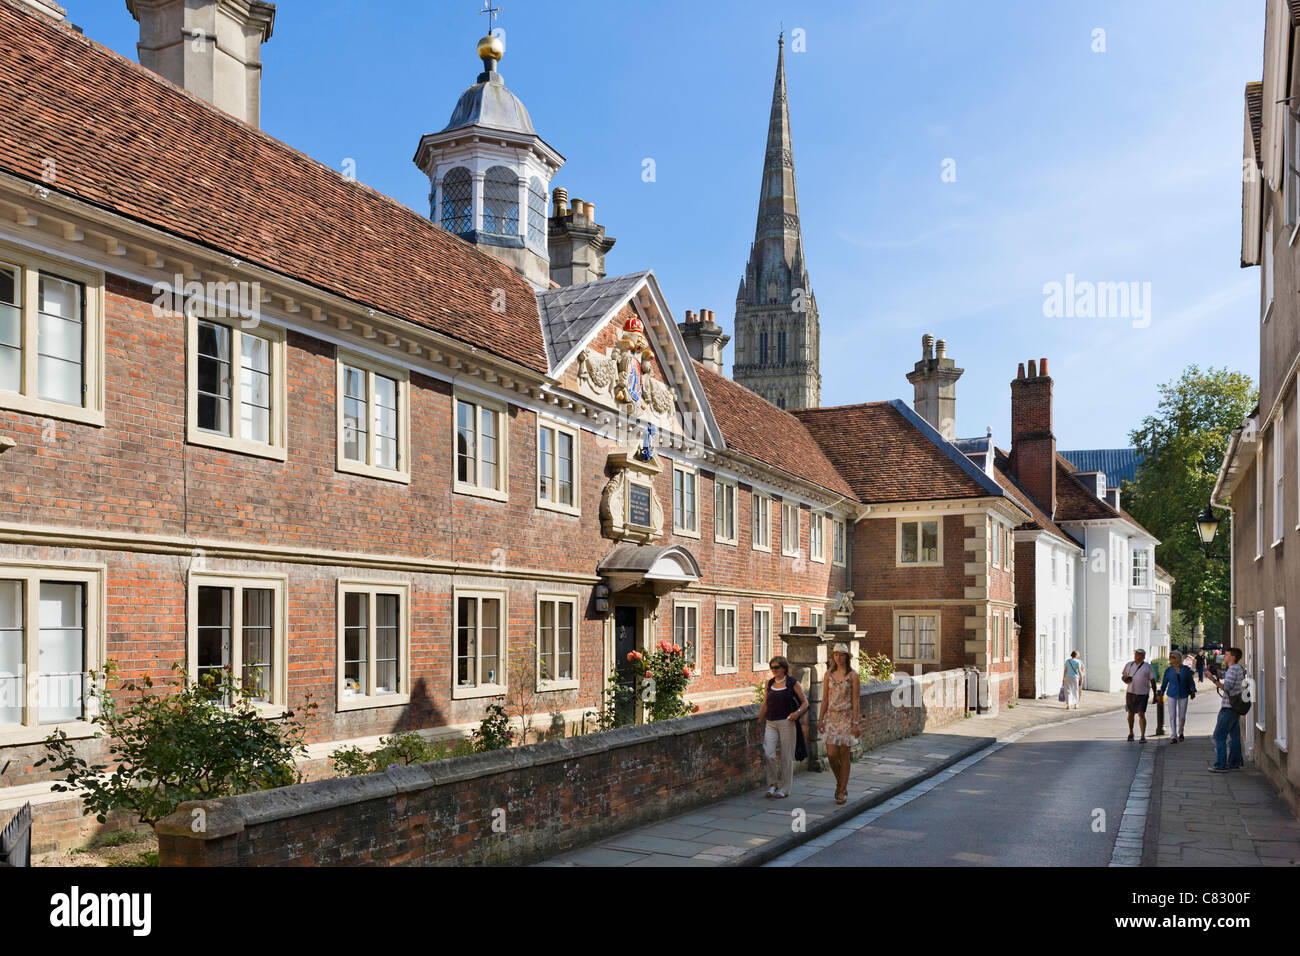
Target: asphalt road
x=1030, y=803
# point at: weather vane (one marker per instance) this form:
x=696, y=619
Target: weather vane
x=492, y=12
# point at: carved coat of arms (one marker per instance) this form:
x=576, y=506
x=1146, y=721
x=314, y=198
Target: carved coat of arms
x=626, y=373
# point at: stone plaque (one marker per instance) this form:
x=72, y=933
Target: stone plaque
x=638, y=505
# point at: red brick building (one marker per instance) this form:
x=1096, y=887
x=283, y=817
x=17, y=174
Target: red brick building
x=257, y=416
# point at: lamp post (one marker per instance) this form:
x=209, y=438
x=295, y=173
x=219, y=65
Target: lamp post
x=1207, y=526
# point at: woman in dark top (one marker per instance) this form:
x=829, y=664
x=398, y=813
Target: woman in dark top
x=783, y=705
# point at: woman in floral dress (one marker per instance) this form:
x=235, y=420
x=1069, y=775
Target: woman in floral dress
x=837, y=723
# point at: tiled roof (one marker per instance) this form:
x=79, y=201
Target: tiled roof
x=761, y=430
x=1075, y=501
x=886, y=458
x=570, y=313
x=1038, y=518
x=1119, y=464
x=1255, y=110
x=128, y=141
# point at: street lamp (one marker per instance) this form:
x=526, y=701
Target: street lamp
x=1207, y=526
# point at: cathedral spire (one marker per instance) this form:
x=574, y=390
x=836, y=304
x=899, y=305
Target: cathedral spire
x=777, y=331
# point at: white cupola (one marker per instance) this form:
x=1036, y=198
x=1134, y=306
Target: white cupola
x=491, y=173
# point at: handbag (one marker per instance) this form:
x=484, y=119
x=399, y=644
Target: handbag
x=1061, y=695
x=800, y=746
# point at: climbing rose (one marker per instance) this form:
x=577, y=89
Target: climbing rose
x=648, y=675
x=686, y=671
x=676, y=649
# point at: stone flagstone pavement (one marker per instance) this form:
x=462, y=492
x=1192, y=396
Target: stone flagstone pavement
x=750, y=829
x=1215, y=819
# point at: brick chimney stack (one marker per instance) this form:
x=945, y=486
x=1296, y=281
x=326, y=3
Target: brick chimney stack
x=704, y=338
x=1033, y=444
x=934, y=380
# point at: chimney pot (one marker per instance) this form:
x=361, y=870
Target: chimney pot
x=589, y=210
x=1042, y=367
x=927, y=345
x=1020, y=370
x=575, y=206
x=561, y=198
x=940, y=348
x=1033, y=369
x=690, y=316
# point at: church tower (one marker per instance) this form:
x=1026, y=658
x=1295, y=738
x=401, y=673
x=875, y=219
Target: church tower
x=777, y=333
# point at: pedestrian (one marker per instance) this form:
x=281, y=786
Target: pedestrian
x=1227, y=731
x=1138, y=675
x=782, y=707
x=1177, y=688
x=1200, y=666
x=1072, y=677
x=837, y=723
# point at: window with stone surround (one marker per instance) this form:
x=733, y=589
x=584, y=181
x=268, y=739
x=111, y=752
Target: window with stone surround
x=920, y=542
x=51, y=637
x=557, y=642
x=686, y=629
x=790, y=528
x=839, y=546
x=817, y=536
x=373, y=644
x=724, y=510
x=1280, y=689
x=236, y=387
x=481, y=447
x=373, y=419
x=237, y=625
x=557, y=471
x=762, y=521
x=480, y=628
x=762, y=650
x=51, y=338
x=1277, y=449
x=916, y=636
x=686, y=497
x=724, y=639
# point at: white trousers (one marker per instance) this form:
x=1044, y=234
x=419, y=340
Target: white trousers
x=1072, y=691
x=778, y=753
x=1177, y=707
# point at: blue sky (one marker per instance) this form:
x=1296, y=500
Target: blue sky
x=1115, y=166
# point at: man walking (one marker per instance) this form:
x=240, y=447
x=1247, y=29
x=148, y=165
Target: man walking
x=1200, y=666
x=1227, y=731
x=1138, y=675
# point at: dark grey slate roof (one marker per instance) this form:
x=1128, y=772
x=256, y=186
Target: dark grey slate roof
x=490, y=104
x=570, y=313
x=1119, y=464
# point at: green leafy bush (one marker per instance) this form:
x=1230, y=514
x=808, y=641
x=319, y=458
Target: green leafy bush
x=405, y=748
x=878, y=667
x=494, y=732
x=175, y=741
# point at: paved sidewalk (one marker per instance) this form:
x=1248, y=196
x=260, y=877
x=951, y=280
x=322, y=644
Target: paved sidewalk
x=1216, y=819
x=751, y=829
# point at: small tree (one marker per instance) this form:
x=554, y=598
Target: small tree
x=176, y=741
x=522, y=695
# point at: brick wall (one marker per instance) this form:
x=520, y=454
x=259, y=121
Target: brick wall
x=544, y=798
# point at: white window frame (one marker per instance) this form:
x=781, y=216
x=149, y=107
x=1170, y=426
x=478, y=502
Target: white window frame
x=995, y=543
x=369, y=699
x=1261, y=685
x=549, y=683
x=689, y=609
x=476, y=487
x=27, y=399
x=718, y=612
x=760, y=519
x=237, y=582
x=790, y=520
x=1278, y=447
x=1267, y=268
x=1008, y=550
x=402, y=473
x=557, y=428
x=995, y=643
x=277, y=427
x=817, y=536
x=786, y=611
x=1008, y=633
x=1259, y=499
x=498, y=688
x=689, y=475
x=1141, y=563
x=901, y=524
x=93, y=578
x=761, y=612
x=839, y=542
x=817, y=617
x=1052, y=558
x=726, y=495
x=1280, y=677
x=938, y=636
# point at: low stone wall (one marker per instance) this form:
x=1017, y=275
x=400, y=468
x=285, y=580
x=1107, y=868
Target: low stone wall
x=521, y=804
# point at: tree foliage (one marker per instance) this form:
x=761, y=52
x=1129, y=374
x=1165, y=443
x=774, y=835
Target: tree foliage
x=1181, y=447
